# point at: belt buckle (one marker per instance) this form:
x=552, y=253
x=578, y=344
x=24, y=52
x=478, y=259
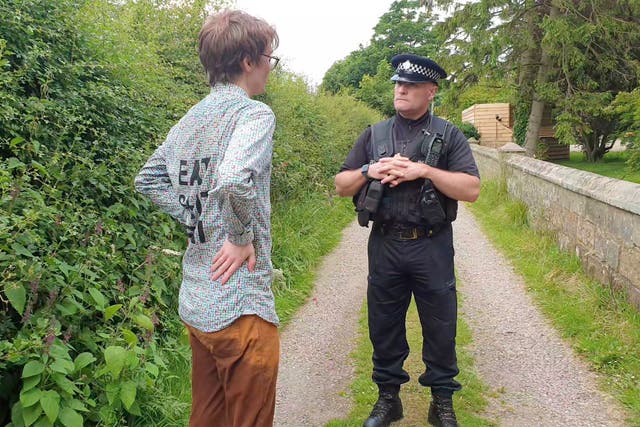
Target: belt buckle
x=414, y=233
x=409, y=234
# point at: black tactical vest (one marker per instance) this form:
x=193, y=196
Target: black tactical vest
x=400, y=204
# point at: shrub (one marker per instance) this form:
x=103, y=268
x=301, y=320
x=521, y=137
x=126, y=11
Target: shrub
x=469, y=130
x=85, y=281
x=88, y=272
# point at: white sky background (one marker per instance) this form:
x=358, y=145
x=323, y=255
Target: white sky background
x=316, y=33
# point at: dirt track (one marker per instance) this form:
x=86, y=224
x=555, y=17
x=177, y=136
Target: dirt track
x=536, y=376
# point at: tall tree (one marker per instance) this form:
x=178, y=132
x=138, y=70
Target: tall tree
x=542, y=77
x=595, y=47
x=405, y=28
x=588, y=52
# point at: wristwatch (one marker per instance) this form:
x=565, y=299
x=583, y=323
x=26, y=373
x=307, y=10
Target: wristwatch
x=365, y=170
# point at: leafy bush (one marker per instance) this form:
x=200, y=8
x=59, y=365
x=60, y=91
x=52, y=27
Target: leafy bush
x=313, y=136
x=88, y=269
x=627, y=108
x=85, y=278
x=377, y=91
x=469, y=130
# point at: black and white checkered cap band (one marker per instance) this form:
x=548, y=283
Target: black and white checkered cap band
x=409, y=67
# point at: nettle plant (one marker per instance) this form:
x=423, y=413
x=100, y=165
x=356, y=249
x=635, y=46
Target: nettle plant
x=84, y=292
x=85, y=279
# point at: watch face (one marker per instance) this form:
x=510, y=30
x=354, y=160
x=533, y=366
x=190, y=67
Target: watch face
x=365, y=170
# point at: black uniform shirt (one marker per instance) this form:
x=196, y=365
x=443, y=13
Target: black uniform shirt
x=457, y=156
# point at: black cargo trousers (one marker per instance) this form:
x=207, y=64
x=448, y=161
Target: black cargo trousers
x=398, y=268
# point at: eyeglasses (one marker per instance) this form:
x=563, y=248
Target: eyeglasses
x=273, y=60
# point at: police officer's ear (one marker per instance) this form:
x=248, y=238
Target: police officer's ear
x=433, y=89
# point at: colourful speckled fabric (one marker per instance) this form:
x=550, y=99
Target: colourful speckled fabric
x=213, y=174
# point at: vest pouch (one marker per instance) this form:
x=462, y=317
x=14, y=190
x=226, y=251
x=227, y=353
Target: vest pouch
x=367, y=201
x=363, y=218
x=452, y=209
x=430, y=207
x=373, y=197
x=358, y=201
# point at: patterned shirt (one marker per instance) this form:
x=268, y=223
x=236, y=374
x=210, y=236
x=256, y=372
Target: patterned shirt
x=213, y=174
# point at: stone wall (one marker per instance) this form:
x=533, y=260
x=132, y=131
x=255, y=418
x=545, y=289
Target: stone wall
x=596, y=217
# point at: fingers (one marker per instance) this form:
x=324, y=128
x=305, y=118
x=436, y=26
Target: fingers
x=218, y=261
x=390, y=159
x=229, y=259
x=251, y=263
x=392, y=180
x=220, y=268
x=397, y=160
x=229, y=272
x=387, y=179
x=225, y=270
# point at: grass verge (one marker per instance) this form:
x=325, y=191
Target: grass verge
x=303, y=232
x=597, y=321
x=469, y=403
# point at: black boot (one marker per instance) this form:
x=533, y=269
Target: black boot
x=387, y=409
x=441, y=412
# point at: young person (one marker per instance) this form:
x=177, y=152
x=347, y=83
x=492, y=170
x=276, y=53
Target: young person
x=212, y=173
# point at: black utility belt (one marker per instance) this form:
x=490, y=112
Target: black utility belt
x=407, y=231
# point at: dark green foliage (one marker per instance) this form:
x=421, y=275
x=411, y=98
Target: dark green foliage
x=595, y=46
x=627, y=108
x=312, y=138
x=89, y=270
x=85, y=281
x=469, y=130
x=405, y=28
x=520, y=123
x=377, y=91
x=574, y=57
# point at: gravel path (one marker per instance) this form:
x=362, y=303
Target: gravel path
x=516, y=351
x=537, y=379
x=315, y=367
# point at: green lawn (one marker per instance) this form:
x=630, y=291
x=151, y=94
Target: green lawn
x=612, y=165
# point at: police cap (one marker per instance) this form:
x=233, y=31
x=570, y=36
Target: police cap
x=416, y=69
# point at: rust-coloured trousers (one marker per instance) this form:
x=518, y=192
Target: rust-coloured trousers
x=234, y=374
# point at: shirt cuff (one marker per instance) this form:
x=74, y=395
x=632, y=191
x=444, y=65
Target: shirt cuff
x=242, y=239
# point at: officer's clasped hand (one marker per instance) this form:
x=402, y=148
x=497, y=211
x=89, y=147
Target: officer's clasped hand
x=379, y=171
x=399, y=169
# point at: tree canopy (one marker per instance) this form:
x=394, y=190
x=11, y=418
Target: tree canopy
x=577, y=59
x=405, y=28
x=574, y=57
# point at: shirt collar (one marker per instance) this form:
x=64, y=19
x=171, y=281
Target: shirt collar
x=228, y=88
x=422, y=121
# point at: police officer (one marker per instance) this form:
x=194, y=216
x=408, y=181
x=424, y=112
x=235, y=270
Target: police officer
x=411, y=246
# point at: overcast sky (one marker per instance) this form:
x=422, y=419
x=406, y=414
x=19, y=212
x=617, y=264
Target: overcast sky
x=314, y=34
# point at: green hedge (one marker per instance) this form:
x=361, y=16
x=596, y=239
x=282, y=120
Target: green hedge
x=88, y=272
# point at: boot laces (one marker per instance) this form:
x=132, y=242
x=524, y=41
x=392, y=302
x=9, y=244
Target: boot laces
x=382, y=407
x=444, y=409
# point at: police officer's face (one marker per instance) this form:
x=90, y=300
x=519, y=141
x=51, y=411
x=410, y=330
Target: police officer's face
x=412, y=100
